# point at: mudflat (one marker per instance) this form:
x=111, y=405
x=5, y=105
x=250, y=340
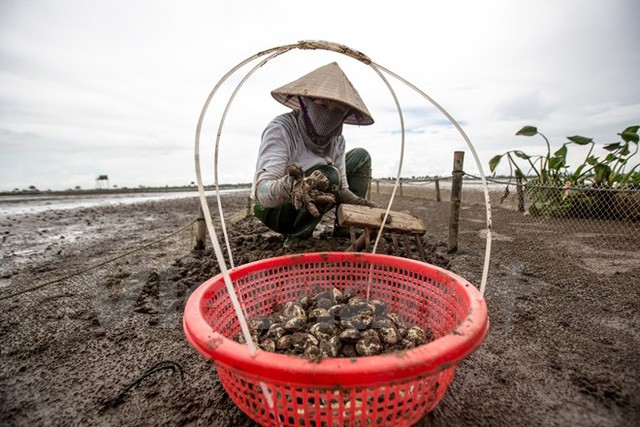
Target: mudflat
x=563, y=346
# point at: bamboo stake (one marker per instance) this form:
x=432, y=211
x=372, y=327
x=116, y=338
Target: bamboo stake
x=201, y=231
x=456, y=193
x=519, y=191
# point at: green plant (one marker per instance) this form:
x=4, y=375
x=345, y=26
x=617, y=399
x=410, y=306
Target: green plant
x=550, y=169
x=548, y=177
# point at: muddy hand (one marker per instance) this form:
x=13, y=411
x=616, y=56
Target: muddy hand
x=298, y=199
x=312, y=208
x=295, y=172
x=316, y=185
x=317, y=181
x=306, y=192
x=326, y=198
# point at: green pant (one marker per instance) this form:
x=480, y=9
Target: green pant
x=287, y=220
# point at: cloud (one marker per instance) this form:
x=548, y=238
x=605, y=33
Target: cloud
x=117, y=87
x=524, y=106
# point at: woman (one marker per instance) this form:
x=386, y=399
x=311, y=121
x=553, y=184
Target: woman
x=310, y=137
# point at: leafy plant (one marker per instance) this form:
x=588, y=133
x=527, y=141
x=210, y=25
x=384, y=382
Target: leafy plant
x=548, y=177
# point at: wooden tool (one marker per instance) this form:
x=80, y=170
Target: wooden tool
x=370, y=219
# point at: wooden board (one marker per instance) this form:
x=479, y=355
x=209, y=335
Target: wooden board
x=364, y=216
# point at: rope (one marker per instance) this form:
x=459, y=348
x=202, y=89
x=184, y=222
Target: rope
x=92, y=267
x=426, y=179
x=161, y=366
x=494, y=180
x=557, y=187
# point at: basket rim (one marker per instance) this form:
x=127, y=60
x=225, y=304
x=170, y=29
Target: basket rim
x=424, y=360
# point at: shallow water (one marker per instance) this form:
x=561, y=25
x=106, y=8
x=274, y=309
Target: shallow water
x=24, y=204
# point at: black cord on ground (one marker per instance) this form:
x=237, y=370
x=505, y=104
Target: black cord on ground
x=160, y=366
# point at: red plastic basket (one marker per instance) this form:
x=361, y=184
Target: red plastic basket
x=383, y=390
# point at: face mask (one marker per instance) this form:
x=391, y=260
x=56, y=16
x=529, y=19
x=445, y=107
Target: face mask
x=318, y=125
x=319, y=121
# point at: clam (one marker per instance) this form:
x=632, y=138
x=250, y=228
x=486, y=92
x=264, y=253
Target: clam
x=301, y=340
x=333, y=294
x=370, y=335
x=294, y=324
x=396, y=319
x=363, y=319
x=334, y=311
x=330, y=348
x=362, y=308
x=268, y=344
x=369, y=343
x=356, y=299
x=366, y=347
x=337, y=294
x=388, y=335
x=285, y=308
x=280, y=318
x=283, y=343
x=294, y=309
x=346, y=296
x=325, y=303
x=349, y=350
x=350, y=335
x=361, y=322
x=275, y=331
x=379, y=308
x=260, y=324
x=312, y=352
x=318, y=315
x=417, y=335
x=305, y=302
x=406, y=344
x=323, y=331
x=382, y=322
x=239, y=338
x=347, y=324
x=346, y=311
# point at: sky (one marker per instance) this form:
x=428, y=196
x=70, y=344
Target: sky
x=116, y=87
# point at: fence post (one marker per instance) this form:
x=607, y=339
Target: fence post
x=249, y=206
x=519, y=191
x=400, y=187
x=456, y=192
x=201, y=231
x=438, y=189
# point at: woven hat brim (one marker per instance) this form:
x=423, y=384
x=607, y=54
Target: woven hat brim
x=327, y=82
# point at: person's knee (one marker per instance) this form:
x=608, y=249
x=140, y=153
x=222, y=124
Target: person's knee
x=358, y=160
x=360, y=154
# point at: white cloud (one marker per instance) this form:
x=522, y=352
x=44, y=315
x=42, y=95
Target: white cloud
x=116, y=86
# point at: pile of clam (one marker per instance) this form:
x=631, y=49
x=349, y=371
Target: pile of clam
x=333, y=324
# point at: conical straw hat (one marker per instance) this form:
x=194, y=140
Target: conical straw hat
x=327, y=82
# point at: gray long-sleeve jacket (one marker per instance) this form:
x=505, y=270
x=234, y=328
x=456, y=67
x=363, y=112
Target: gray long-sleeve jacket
x=281, y=146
